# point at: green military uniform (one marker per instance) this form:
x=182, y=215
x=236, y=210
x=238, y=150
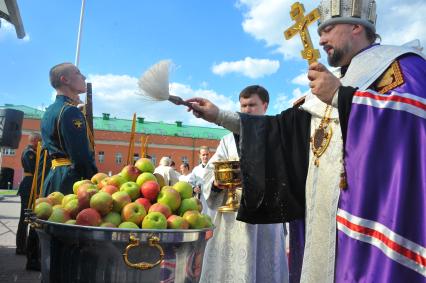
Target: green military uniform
x=28, y=161
x=70, y=146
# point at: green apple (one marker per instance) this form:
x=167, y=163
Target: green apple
x=169, y=197
x=132, y=189
x=67, y=198
x=190, y=204
x=72, y=207
x=78, y=184
x=59, y=215
x=208, y=221
x=56, y=197
x=128, y=225
x=43, y=210
x=160, y=179
x=184, y=189
x=142, y=178
x=119, y=200
x=144, y=165
x=133, y=212
x=116, y=180
x=154, y=220
x=102, y=202
x=98, y=177
x=112, y=217
x=71, y=222
x=195, y=219
x=107, y=224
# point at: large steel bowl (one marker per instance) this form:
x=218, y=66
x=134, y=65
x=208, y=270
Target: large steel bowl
x=72, y=253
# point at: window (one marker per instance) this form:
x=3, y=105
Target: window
x=185, y=159
x=8, y=151
x=101, y=156
x=154, y=160
x=118, y=158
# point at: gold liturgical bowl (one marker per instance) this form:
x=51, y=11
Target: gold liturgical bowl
x=228, y=175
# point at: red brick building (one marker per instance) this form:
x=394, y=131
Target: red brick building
x=180, y=142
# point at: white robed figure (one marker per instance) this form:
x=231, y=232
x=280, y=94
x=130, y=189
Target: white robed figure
x=238, y=251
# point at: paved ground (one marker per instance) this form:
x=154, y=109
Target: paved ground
x=12, y=266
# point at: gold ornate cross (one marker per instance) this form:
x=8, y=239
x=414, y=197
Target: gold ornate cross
x=301, y=26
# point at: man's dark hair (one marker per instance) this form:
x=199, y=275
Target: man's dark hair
x=56, y=72
x=371, y=35
x=255, y=89
x=186, y=165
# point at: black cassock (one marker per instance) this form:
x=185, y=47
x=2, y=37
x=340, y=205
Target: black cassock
x=274, y=158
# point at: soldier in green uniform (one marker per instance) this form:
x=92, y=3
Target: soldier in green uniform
x=65, y=133
x=28, y=161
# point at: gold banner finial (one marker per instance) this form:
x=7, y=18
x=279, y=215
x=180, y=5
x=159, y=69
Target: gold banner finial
x=301, y=26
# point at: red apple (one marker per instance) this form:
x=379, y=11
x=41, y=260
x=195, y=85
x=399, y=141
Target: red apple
x=177, y=222
x=154, y=220
x=119, y=200
x=43, y=210
x=84, y=196
x=150, y=190
x=145, y=202
x=144, y=177
x=130, y=173
x=162, y=208
x=169, y=197
x=109, y=189
x=133, y=212
x=190, y=204
x=98, y=177
x=88, y=217
x=102, y=202
x=87, y=187
x=59, y=215
x=184, y=189
x=144, y=165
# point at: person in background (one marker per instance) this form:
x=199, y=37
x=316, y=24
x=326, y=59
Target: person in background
x=164, y=169
x=198, y=173
x=186, y=175
x=232, y=235
x=65, y=134
x=28, y=161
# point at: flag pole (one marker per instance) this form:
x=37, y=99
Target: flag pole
x=80, y=30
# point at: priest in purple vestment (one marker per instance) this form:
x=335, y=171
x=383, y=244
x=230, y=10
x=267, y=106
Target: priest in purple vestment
x=380, y=214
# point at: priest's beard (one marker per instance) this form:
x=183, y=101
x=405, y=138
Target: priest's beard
x=338, y=55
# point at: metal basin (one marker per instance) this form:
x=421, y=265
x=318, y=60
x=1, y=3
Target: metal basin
x=72, y=253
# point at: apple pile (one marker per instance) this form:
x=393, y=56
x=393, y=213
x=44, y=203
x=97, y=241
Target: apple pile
x=134, y=198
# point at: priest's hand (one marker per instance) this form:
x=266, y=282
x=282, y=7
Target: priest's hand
x=322, y=82
x=203, y=108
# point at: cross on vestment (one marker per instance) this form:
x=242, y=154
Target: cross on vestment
x=301, y=26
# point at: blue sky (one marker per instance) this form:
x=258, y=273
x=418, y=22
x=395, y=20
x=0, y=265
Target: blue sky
x=217, y=46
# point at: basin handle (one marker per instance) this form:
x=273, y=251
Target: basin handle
x=153, y=241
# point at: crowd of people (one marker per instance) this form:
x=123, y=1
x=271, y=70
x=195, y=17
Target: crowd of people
x=344, y=167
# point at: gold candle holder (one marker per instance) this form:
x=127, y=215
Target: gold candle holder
x=227, y=175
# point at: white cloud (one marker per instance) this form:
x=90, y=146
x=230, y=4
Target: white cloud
x=7, y=31
x=397, y=22
x=118, y=95
x=301, y=79
x=266, y=21
x=250, y=67
x=284, y=101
